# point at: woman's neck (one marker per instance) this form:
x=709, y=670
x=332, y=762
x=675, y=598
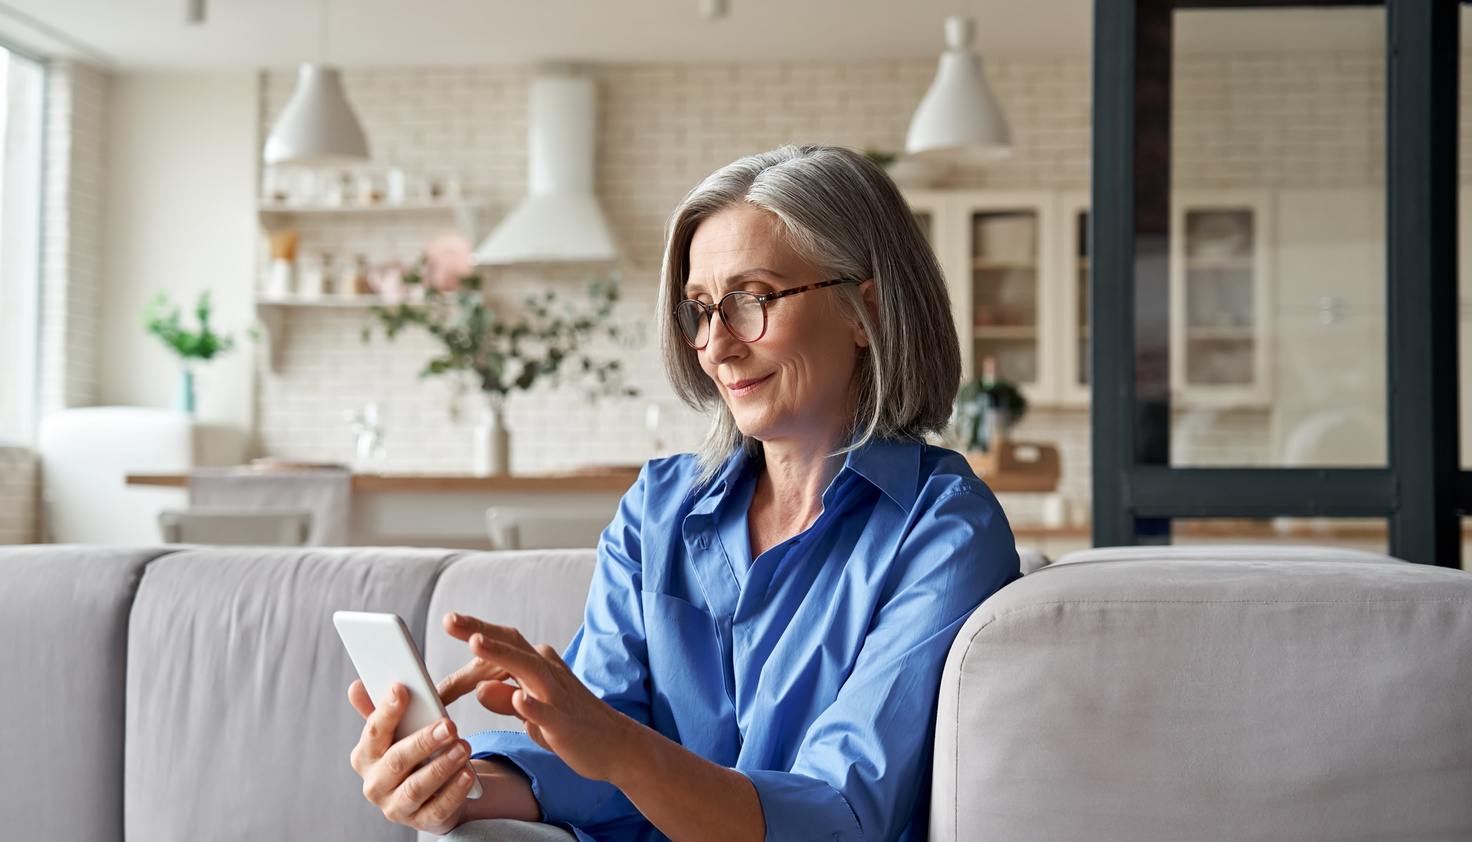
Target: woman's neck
x=794, y=475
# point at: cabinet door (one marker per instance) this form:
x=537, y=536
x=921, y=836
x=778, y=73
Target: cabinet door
x=933, y=214
x=1003, y=298
x=1220, y=253
x=1075, y=354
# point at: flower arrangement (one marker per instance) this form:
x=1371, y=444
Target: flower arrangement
x=164, y=321
x=499, y=353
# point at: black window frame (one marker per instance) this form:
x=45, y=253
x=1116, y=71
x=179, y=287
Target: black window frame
x=1422, y=491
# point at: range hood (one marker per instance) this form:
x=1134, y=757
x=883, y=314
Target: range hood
x=559, y=221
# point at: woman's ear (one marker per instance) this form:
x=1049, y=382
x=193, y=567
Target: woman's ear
x=871, y=303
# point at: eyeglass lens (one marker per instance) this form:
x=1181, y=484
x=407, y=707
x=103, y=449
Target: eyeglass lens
x=740, y=312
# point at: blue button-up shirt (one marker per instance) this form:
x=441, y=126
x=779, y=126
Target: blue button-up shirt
x=812, y=669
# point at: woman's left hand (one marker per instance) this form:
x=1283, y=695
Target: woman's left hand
x=561, y=714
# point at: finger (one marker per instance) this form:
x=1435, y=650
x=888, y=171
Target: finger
x=467, y=627
x=358, y=698
x=420, y=786
x=378, y=730
x=463, y=680
x=534, y=731
x=462, y=626
x=530, y=709
x=525, y=665
x=496, y=696
x=404, y=756
x=438, y=810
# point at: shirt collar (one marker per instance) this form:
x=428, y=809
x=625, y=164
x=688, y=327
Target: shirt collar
x=891, y=465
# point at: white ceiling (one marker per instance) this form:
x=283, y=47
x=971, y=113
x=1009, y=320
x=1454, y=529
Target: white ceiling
x=257, y=33
x=153, y=34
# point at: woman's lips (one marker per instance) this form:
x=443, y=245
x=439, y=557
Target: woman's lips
x=741, y=388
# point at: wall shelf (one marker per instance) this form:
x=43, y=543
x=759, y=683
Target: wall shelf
x=271, y=314
x=277, y=216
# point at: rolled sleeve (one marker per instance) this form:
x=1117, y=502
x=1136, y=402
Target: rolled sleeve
x=797, y=807
x=562, y=794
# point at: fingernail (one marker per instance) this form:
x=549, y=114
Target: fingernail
x=458, y=752
x=465, y=778
x=454, y=618
x=441, y=731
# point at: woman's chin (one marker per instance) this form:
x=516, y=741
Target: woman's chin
x=753, y=425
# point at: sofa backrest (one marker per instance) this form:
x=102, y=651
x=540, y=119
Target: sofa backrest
x=1193, y=697
x=540, y=592
x=63, y=653
x=238, y=724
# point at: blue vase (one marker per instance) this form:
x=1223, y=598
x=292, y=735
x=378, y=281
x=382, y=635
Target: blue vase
x=184, y=392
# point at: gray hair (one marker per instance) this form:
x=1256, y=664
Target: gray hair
x=840, y=211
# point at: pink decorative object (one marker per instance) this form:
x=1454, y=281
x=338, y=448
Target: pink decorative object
x=447, y=261
x=388, y=281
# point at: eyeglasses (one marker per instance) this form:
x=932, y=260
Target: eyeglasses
x=743, y=313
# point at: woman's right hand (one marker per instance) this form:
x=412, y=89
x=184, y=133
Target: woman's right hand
x=432, y=798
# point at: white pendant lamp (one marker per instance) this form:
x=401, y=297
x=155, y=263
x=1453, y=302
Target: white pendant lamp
x=959, y=117
x=317, y=125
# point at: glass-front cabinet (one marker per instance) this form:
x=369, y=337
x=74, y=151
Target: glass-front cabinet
x=1220, y=309
x=997, y=251
x=1076, y=359
x=1017, y=265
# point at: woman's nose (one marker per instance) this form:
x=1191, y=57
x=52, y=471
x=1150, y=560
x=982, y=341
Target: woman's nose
x=721, y=343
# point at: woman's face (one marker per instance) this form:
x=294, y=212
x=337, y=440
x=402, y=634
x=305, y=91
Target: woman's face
x=793, y=382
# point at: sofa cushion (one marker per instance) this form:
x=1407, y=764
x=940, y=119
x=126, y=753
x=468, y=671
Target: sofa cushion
x=540, y=592
x=238, y=724
x=1184, y=698
x=63, y=650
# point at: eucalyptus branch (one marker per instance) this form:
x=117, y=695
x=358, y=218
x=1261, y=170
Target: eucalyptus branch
x=504, y=355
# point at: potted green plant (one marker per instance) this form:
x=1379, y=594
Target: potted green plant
x=501, y=352
x=163, y=319
x=986, y=409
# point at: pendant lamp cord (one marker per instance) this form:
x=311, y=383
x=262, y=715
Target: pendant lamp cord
x=322, y=31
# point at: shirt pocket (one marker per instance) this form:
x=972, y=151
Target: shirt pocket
x=690, y=677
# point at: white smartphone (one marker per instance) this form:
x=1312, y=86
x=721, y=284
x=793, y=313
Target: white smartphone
x=383, y=652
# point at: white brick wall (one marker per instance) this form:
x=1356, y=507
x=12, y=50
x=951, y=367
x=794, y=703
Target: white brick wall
x=1260, y=120
x=71, y=258
x=19, y=476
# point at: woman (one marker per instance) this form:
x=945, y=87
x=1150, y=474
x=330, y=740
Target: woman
x=764, y=636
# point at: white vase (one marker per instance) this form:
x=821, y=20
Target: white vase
x=491, y=441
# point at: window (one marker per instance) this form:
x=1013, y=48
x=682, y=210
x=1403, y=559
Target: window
x=21, y=86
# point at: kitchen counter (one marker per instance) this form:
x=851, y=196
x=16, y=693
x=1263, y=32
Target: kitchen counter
x=450, y=510
x=600, y=480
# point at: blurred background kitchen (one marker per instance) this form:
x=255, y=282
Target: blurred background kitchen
x=299, y=161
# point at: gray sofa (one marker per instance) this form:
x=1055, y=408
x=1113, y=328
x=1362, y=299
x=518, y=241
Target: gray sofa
x=198, y=694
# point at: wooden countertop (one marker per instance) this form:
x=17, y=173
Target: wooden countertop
x=601, y=480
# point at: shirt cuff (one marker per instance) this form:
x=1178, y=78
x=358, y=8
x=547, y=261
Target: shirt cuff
x=798, y=807
x=563, y=795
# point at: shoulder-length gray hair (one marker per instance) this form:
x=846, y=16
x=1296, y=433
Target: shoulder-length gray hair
x=840, y=211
